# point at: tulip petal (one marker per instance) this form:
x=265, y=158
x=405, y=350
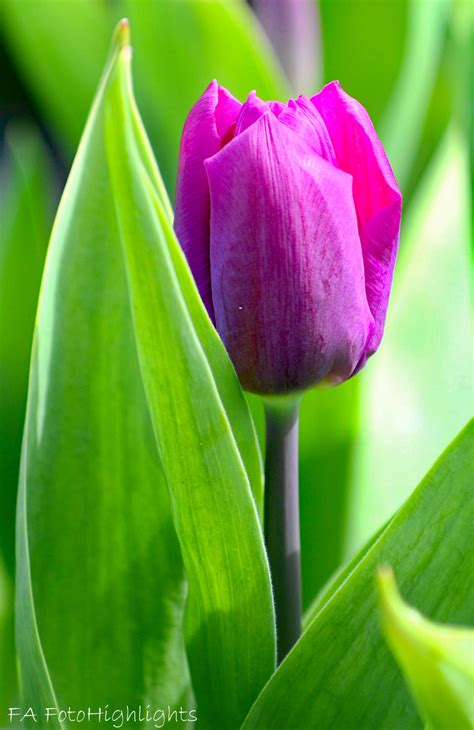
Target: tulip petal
x=303, y=118
x=204, y=133
x=286, y=262
x=376, y=195
x=252, y=109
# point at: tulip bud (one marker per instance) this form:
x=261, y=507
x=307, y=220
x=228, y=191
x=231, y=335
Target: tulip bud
x=289, y=216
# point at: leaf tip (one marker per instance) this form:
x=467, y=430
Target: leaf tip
x=389, y=596
x=122, y=34
x=385, y=578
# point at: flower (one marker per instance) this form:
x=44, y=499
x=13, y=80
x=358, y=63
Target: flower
x=289, y=216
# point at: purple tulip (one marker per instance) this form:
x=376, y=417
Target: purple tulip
x=289, y=216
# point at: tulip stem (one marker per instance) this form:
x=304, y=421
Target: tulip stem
x=282, y=524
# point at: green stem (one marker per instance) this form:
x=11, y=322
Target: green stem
x=282, y=526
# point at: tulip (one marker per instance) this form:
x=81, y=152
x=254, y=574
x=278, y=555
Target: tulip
x=289, y=216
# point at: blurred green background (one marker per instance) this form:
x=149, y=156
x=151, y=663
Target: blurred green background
x=366, y=444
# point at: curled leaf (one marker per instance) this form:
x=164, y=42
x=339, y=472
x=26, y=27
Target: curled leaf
x=437, y=660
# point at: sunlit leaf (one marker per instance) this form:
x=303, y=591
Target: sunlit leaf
x=341, y=673
x=100, y=587
x=230, y=623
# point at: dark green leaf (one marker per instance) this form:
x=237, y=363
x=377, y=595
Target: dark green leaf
x=25, y=212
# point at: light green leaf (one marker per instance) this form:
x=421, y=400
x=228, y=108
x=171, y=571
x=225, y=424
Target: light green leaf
x=340, y=674
x=230, y=621
x=437, y=660
x=100, y=588
x=416, y=392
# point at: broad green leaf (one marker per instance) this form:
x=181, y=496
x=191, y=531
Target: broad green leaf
x=437, y=660
x=61, y=45
x=341, y=674
x=416, y=392
x=35, y=687
x=230, y=391
x=230, y=621
x=101, y=588
x=26, y=212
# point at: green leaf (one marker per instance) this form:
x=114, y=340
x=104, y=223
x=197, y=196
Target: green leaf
x=416, y=392
x=35, y=686
x=340, y=673
x=101, y=588
x=26, y=213
x=437, y=660
x=230, y=621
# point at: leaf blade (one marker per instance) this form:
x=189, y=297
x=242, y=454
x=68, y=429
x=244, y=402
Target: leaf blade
x=94, y=518
x=230, y=623
x=342, y=678
x=437, y=660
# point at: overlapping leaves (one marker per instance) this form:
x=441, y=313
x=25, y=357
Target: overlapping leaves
x=140, y=455
x=100, y=572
